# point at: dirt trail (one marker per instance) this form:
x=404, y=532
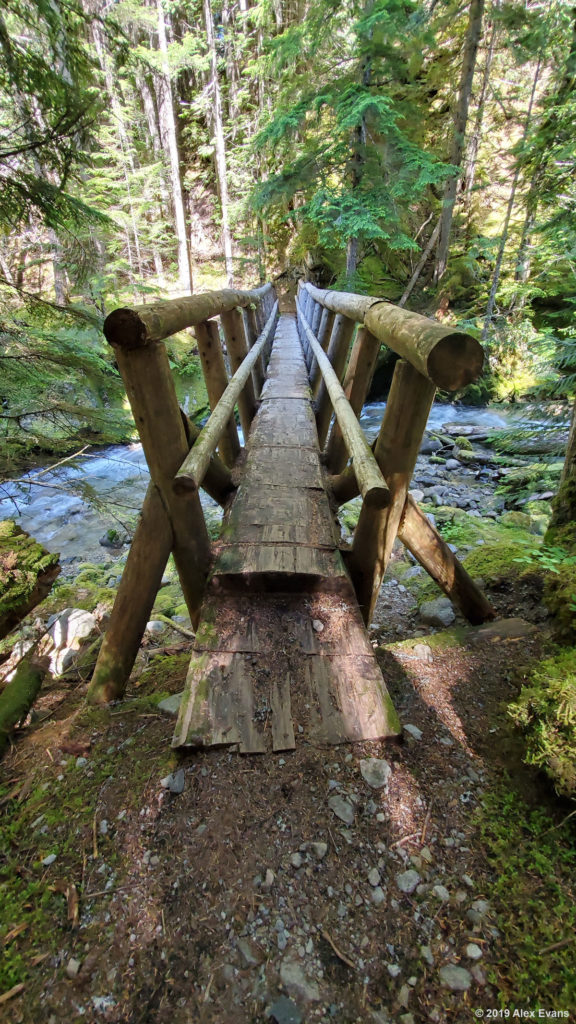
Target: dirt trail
x=277, y=887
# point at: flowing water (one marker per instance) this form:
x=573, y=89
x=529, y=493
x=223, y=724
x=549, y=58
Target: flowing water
x=71, y=507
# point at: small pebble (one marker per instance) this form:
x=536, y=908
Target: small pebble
x=72, y=967
x=49, y=860
x=473, y=951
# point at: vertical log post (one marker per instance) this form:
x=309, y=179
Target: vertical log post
x=324, y=335
x=411, y=396
x=253, y=335
x=356, y=386
x=216, y=379
x=233, y=327
x=146, y=373
x=337, y=354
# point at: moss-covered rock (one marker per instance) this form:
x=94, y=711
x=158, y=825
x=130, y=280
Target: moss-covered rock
x=560, y=597
x=494, y=561
x=27, y=572
x=546, y=711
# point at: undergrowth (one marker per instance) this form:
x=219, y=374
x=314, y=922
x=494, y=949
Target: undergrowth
x=533, y=860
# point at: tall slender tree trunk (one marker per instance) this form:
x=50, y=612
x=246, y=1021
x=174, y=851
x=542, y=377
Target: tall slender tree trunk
x=509, y=208
x=474, y=144
x=219, y=144
x=167, y=119
x=473, y=34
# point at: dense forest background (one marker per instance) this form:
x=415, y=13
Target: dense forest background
x=422, y=152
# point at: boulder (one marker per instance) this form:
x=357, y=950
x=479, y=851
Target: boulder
x=439, y=612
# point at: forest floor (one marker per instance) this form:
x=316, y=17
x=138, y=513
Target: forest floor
x=139, y=887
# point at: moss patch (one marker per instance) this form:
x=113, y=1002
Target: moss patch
x=546, y=712
x=24, y=565
x=533, y=861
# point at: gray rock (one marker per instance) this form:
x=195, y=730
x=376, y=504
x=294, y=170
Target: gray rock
x=319, y=850
x=441, y=892
x=417, y=495
x=473, y=951
x=429, y=446
x=171, y=705
x=174, y=782
x=296, y=860
x=67, y=632
x=297, y=983
x=249, y=952
x=424, y=652
x=452, y=464
x=49, y=860
x=374, y=877
x=394, y=970
x=317, y=625
x=155, y=626
x=268, y=880
x=438, y=612
x=378, y=895
x=72, y=967
x=413, y=731
x=456, y=978
x=375, y=772
x=407, y=881
x=342, y=809
x=284, y=1011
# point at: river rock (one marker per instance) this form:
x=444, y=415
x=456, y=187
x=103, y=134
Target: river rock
x=297, y=983
x=342, y=809
x=171, y=705
x=429, y=446
x=438, y=612
x=67, y=632
x=284, y=1011
x=456, y=978
x=407, y=881
x=376, y=772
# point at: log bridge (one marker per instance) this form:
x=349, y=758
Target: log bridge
x=279, y=605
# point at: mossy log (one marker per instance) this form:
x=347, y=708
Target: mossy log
x=27, y=573
x=449, y=358
x=18, y=697
x=396, y=452
x=141, y=325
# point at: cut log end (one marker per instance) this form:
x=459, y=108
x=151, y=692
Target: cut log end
x=377, y=497
x=183, y=485
x=455, y=361
x=123, y=328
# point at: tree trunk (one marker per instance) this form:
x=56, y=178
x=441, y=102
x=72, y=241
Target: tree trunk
x=563, y=519
x=460, y=120
x=473, y=146
x=219, y=144
x=169, y=136
x=509, y=208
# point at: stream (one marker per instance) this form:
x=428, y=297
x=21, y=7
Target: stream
x=70, y=508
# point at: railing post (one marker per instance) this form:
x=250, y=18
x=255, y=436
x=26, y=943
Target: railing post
x=356, y=386
x=258, y=373
x=407, y=409
x=146, y=373
x=216, y=378
x=324, y=334
x=337, y=353
x=233, y=327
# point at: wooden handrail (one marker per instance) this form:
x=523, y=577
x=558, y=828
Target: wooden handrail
x=370, y=480
x=191, y=473
x=450, y=358
x=140, y=325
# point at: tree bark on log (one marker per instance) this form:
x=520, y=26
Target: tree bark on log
x=149, y=385
x=396, y=452
x=356, y=386
x=233, y=327
x=18, y=697
x=337, y=356
x=216, y=379
x=134, y=600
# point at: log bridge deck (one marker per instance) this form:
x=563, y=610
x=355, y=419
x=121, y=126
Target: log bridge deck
x=281, y=647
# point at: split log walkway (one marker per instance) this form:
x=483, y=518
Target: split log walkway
x=281, y=646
